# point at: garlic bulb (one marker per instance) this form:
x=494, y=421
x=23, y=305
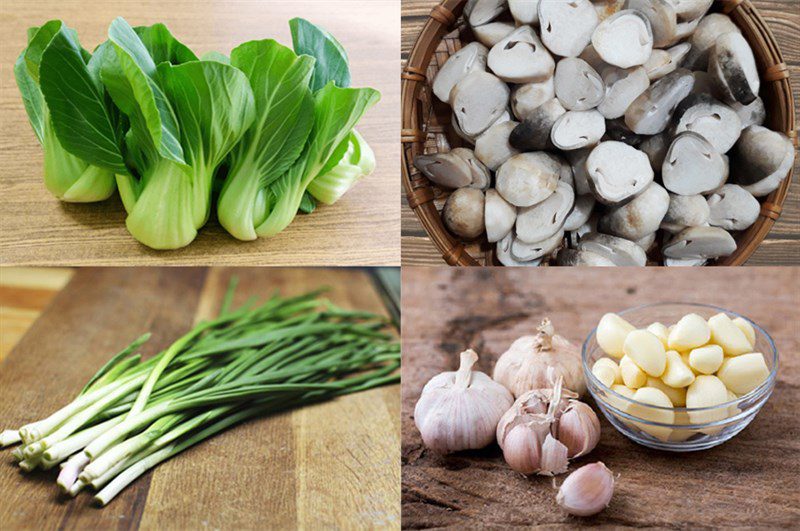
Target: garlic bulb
x=545, y=428
x=587, y=491
x=524, y=365
x=460, y=410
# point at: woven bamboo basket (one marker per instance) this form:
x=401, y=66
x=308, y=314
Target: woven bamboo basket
x=426, y=124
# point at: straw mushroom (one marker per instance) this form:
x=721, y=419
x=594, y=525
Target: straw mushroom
x=733, y=66
x=685, y=211
x=580, y=213
x=645, y=242
x=624, y=39
x=526, y=98
x=761, y=160
x=575, y=258
x=731, y=207
x=524, y=11
x=651, y=112
x=479, y=12
x=711, y=119
x=662, y=17
x=640, y=217
x=619, y=131
x=539, y=222
x=533, y=133
x=577, y=86
x=656, y=147
x=580, y=173
x=470, y=58
x=622, y=87
x=618, y=172
x=567, y=27
x=687, y=10
x=620, y=251
x=528, y=178
x=752, y=114
x=499, y=216
x=578, y=129
x=463, y=213
x=445, y=169
x=693, y=166
x=521, y=57
x=493, y=32
x=684, y=262
x=700, y=243
x=492, y=147
x=525, y=252
x=663, y=62
x=479, y=100
x=504, y=256
x=704, y=38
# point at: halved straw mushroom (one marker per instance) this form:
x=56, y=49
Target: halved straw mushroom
x=565, y=174
x=687, y=10
x=478, y=12
x=463, y=213
x=733, y=66
x=662, y=17
x=576, y=258
x=684, y=30
x=590, y=226
x=651, y=112
x=499, y=216
x=567, y=27
x=685, y=211
x=445, y=169
x=493, y=32
x=753, y=114
x=524, y=11
x=538, y=222
x=526, y=98
x=685, y=262
x=533, y=133
x=590, y=55
x=481, y=176
x=700, y=243
x=580, y=173
x=619, y=131
x=624, y=39
x=704, y=38
x=711, y=119
x=647, y=241
x=504, y=256
x=761, y=160
x=620, y=251
x=492, y=147
x=580, y=213
x=578, y=129
x=731, y=207
x=528, y=178
x=479, y=100
x=638, y=218
x=663, y=62
x=618, y=172
x=623, y=86
x=577, y=86
x=521, y=57
x=524, y=251
x=693, y=166
x=704, y=84
x=468, y=59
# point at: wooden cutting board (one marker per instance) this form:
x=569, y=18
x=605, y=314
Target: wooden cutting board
x=749, y=481
x=363, y=228
x=331, y=465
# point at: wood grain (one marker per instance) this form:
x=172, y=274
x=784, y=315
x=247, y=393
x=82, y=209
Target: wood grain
x=335, y=464
x=749, y=482
x=361, y=229
x=781, y=247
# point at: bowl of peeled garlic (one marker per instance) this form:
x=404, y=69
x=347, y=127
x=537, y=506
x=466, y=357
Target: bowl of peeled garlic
x=679, y=376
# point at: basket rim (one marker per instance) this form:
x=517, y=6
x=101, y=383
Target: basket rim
x=445, y=17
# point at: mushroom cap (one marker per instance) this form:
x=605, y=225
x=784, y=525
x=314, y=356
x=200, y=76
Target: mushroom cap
x=479, y=100
x=761, y=160
x=577, y=86
x=733, y=67
x=700, y=243
x=528, y=178
x=492, y=147
x=622, y=87
x=650, y=113
x=711, y=119
x=620, y=251
x=638, y=218
x=567, y=27
x=468, y=59
x=499, y=216
x=624, y=39
x=692, y=166
x=526, y=98
x=540, y=221
x=463, y=213
x=685, y=211
x=578, y=129
x=618, y=172
x=533, y=133
x=731, y=207
x=521, y=57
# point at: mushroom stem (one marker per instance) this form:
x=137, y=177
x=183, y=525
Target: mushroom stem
x=464, y=373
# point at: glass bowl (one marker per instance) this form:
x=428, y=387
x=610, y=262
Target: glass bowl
x=692, y=428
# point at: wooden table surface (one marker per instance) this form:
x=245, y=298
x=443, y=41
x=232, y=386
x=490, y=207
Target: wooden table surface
x=335, y=464
x=363, y=228
x=782, y=245
x=750, y=481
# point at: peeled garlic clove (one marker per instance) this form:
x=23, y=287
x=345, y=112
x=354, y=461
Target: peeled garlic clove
x=744, y=373
x=554, y=457
x=706, y=392
x=676, y=395
x=632, y=375
x=654, y=397
x=706, y=360
x=647, y=351
x=522, y=450
x=578, y=429
x=690, y=332
x=660, y=331
x=587, y=491
x=678, y=374
x=728, y=336
x=611, y=333
x=747, y=329
x=607, y=371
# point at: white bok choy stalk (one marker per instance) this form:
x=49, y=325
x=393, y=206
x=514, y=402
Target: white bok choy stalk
x=352, y=161
x=184, y=119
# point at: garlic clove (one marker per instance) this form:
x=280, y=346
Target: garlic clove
x=578, y=429
x=587, y=491
x=554, y=457
x=522, y=450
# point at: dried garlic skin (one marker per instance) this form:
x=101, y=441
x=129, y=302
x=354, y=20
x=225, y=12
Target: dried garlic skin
x=459, y=410
x=524, y=366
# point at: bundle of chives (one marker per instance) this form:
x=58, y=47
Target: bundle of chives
x=133, y=413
